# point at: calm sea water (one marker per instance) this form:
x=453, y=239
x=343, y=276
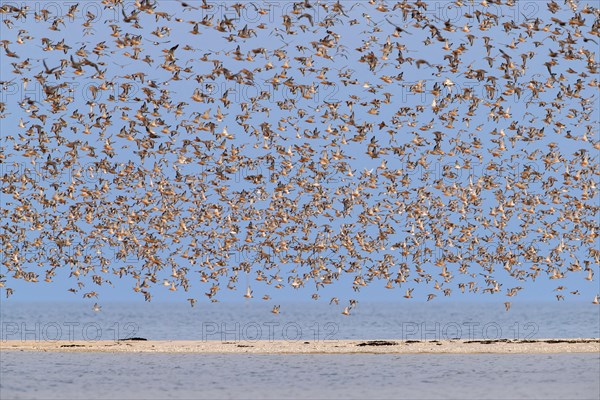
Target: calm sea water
x=363, y=376
x=301, y=321
x=25, y=375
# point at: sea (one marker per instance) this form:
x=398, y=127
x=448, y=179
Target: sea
x=254, y=320
x=41, y=375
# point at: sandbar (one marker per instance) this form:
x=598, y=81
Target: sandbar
x=476, y=346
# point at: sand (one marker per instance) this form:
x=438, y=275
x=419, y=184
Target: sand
x=502, y=346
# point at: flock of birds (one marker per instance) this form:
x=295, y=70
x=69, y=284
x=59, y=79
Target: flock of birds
x=301, y=144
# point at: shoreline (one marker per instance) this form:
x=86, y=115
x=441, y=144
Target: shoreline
x=498, y=346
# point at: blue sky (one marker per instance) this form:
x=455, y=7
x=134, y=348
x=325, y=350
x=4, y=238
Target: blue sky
x=344, y=66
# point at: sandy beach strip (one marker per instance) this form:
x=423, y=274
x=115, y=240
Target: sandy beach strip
x=500, y=346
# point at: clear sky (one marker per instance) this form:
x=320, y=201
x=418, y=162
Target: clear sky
x=371, y=29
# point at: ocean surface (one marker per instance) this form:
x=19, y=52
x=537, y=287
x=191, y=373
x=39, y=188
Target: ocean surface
x=33, y=375
x=363, y=376
x=297, y=321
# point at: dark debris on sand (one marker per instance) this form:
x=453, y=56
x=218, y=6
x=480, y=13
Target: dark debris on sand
x=377, y=343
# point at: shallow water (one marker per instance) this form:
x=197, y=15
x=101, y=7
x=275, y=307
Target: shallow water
x=28, y=375
x=300, y=321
